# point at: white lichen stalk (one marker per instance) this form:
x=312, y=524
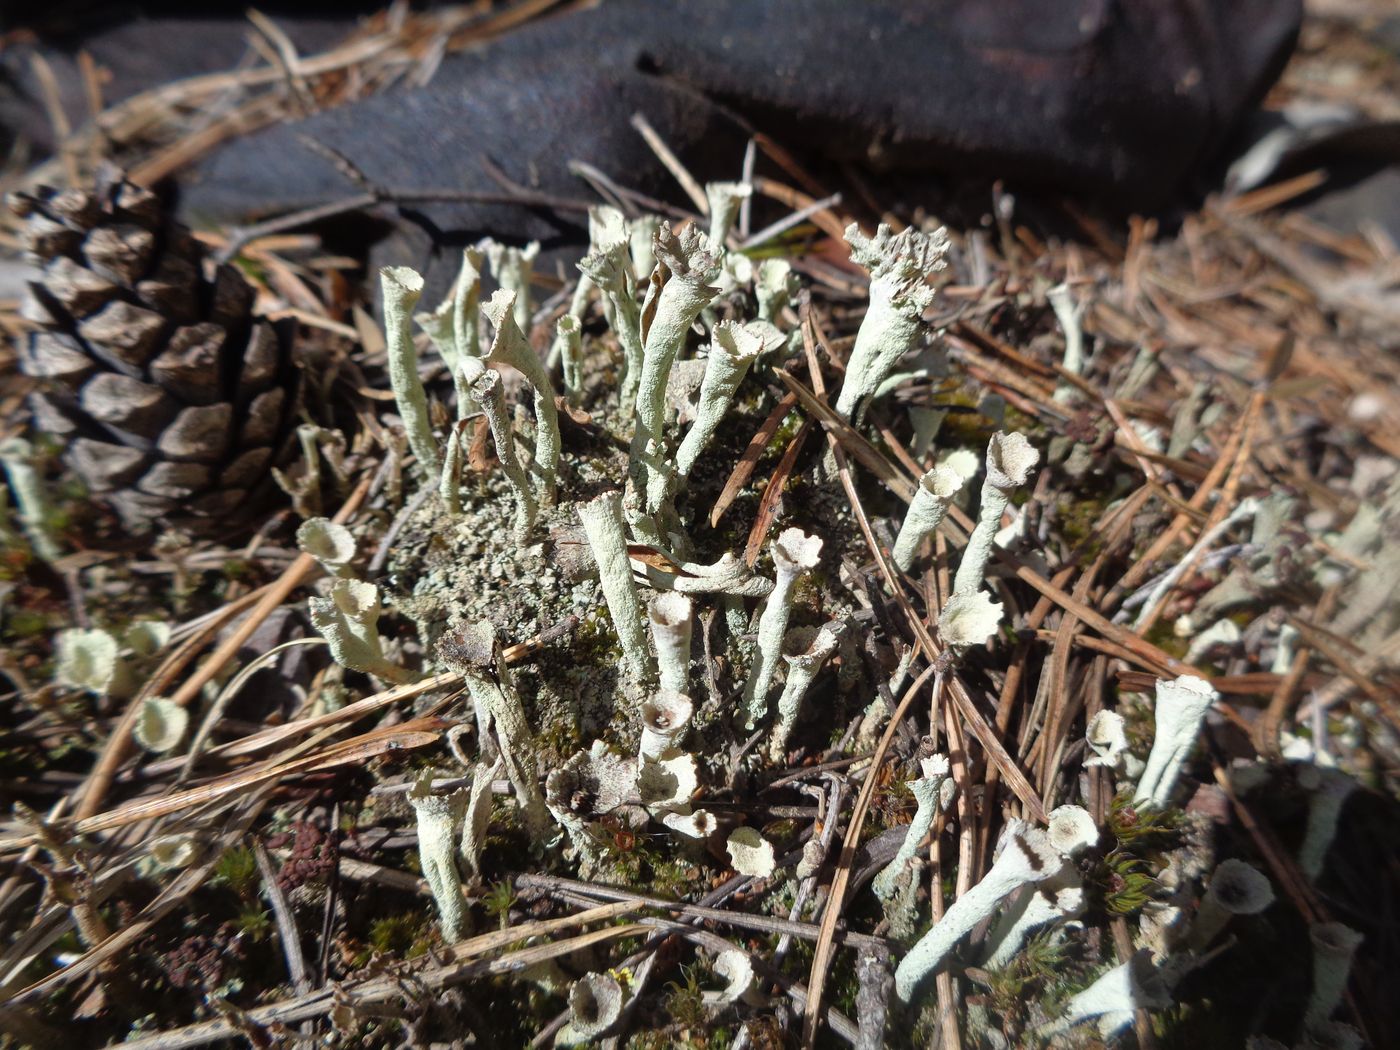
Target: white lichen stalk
x=610, y=269
x=805, y=651
x=899, y=266
x=1329, y=788
x=401, y=288
x=489, y=395
x=348, y=619
x=1010, y=460
x=450, y=480
x=1106, y=739
x=1181, y=705
x=606, y=227
x=1334, y=946
x=595, y=1005
x=452, y=327
x=160, y=725
x=512, y=348
x=724, y=199
x=477, y=817
x=672, y=619
x=665, y=718
x=513, y=268
x=17, y=457
x=1026, y=856
x=1070, y=315
x=737, y=970
x=1056, y=900
x=729, y=575
x=930, y=504
x=567, y=349
x=330, y=543
x=968, y=620
x=750, y=853
x=794, y=553
x=927, y=790
x=476, y=655
x=438, y=817
x=680, y=288
x=1113, y=999
x=734, y=349
x=1235, y=888
x=641, y=244
x=90, y=658
x=602, y=522
x=775, y=287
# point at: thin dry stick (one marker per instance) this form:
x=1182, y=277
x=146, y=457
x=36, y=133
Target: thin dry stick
x=768, y=503
x=672, y=163
x=1222, y=507
x=183, y=885
x=835, y=898
x=1139, y=570
x=462, y=963
x=743, y=470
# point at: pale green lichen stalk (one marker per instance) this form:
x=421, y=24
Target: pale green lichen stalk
x=401, y=289
x=724, y=199
x=927, y=788
x=90, y=658
x=680, y=288
x=602, y=522
x=1181, y=705
x=734, y=349
x=475, y=653
x=794, y=553
x=930, y=504
x=1026, y=857
x=805, y=650
x=671, y=616
x=348, y=619
x=17, y=455
x=514, y=268
x=452, y=327
x=512, y=348
x=1010, y=460
x=330, y=543
x=899, y=265
x=487, y=392
x=568, y=351
x=610, y=269
x=438, y=817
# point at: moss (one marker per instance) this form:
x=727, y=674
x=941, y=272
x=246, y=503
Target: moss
x=1126, y=878
x=401, y=935
x=26, y=623
x=1038, y=968
x=238, y=870
x=1164, y=637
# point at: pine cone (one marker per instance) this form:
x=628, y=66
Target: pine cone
x=171, y=396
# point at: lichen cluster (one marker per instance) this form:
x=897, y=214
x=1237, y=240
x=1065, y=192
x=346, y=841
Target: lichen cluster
x=676, y=666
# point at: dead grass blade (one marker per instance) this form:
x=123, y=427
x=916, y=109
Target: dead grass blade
x=768, y=505
x=753, y=452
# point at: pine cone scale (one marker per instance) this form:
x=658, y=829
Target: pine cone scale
x=171, y=394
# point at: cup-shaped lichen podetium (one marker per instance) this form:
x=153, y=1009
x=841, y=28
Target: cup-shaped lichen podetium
x=1010, y=460
x=602, y=522
x=474, y=652
x=402, y=287
x=899, y=265
x=794, y=553
x=680, y=288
